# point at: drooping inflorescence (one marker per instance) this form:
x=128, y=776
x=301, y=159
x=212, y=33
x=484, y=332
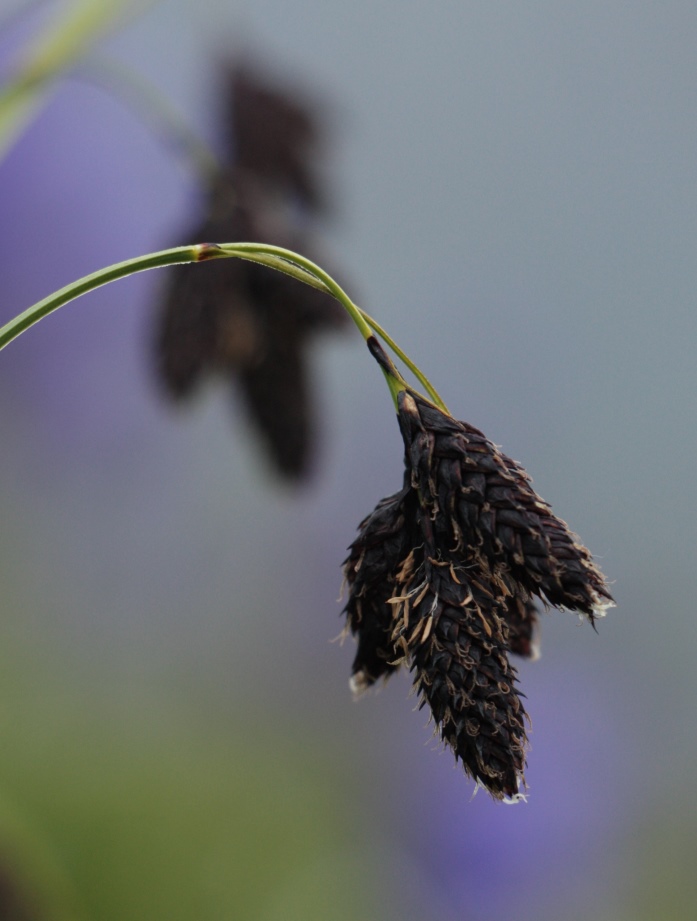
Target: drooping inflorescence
x=445, y=574
x=442, y=578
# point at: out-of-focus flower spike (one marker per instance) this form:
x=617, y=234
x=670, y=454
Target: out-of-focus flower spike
x=238, y=320
x=275, y=135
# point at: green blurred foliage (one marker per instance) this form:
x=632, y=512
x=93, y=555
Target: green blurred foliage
x=120, y=806
x=64, y=41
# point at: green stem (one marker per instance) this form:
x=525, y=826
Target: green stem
x=404, y=358
x=274, y=257
x=312, y=275
x=82, y=286
x=284, y=259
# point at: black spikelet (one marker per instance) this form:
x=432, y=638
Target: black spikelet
x=370, y=572
x=483, y=504
x=442, y=578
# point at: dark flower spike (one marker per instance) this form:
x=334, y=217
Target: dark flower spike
x=442, y=578
x=371, y=572
x=274, y=134
x=484, y=505
x=238, y=320
x=409, y=604
x=454, y=639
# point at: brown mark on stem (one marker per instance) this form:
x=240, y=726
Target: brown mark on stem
x=204, y=251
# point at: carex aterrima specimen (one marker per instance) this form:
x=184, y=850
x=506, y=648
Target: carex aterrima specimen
x=445, y=573
x=238, y=320
x=442, y=578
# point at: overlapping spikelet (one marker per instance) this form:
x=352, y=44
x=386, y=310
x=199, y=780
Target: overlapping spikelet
x=371, y=571
x=442, y=578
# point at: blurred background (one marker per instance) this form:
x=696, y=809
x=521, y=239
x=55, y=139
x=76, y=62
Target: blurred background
x=513, y=195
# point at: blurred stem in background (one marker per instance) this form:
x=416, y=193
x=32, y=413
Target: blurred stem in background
x=156, y=112
x=66, y=38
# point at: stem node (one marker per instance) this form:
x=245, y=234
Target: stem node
x=204, y=251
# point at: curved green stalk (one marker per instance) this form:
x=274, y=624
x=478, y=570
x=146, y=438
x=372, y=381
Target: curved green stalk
x=311, y=274
x=274, y=257
x=285, y=258
x=88, y=283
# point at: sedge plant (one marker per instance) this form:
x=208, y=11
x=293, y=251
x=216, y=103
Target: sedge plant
x=446, y=574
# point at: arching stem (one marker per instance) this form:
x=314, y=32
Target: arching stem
x=315, y=280
x=274, y=257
